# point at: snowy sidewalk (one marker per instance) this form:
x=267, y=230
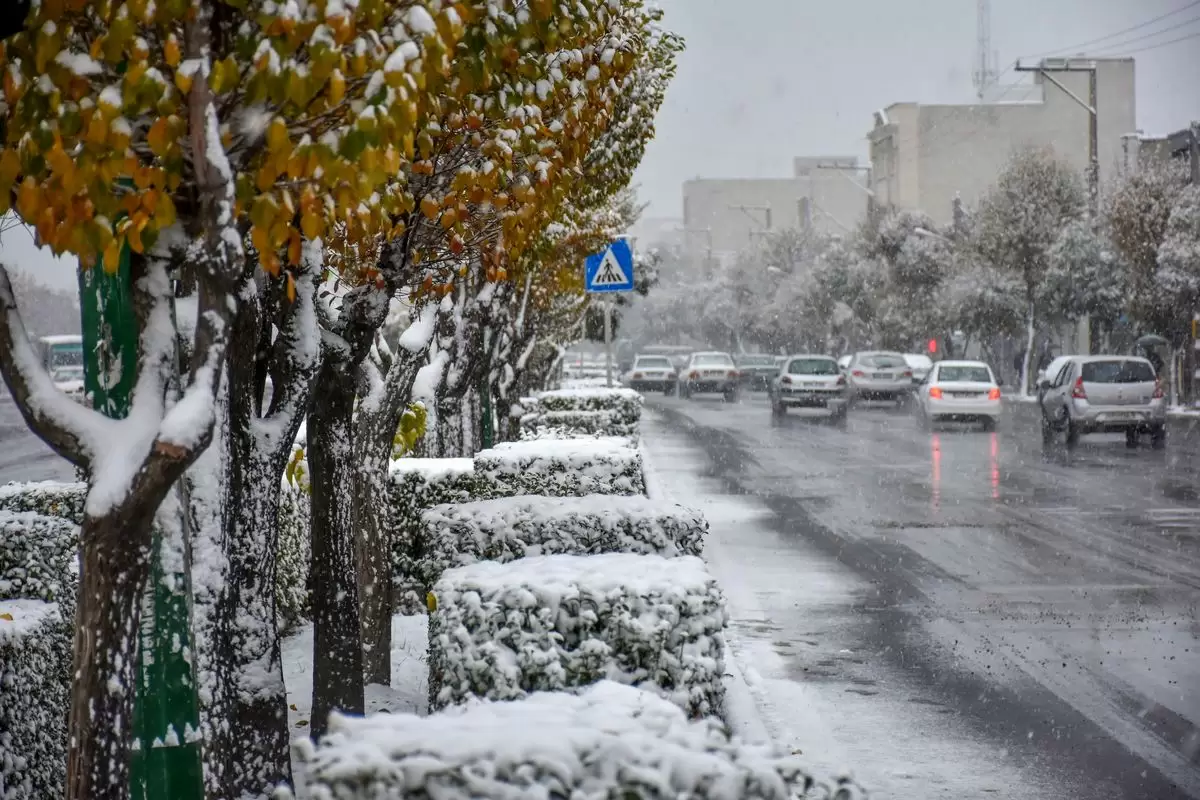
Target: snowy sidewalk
x=802, y=668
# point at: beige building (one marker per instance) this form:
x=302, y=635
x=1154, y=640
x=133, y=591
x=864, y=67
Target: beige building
x=924, y=156
x=1182, y=146
x=724, y=216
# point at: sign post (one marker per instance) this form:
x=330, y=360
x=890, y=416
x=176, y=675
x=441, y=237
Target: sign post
x=606, y=272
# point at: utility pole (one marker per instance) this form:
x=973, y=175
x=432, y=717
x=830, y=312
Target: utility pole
x=767, y=213
x=985, y=61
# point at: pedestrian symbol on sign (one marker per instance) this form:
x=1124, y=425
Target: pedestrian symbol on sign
x=610, y=273
x=611, y=269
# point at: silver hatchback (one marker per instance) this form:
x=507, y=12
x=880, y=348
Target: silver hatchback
x=879, y=376
x=1103, y=394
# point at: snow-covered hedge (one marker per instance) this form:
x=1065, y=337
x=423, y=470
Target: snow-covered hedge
x=51, y=498
x=570, y=423
x=418, y=484
x=37, y=557
x=35, y=668
x=608, y=741
x=562, y=467
x=292, y=597
x=499, y=631
x=507, y=528
x=625, y=405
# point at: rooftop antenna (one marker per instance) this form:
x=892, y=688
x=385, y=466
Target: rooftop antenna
x=985, y=58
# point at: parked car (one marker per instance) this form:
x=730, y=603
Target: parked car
x=844, y=362
x=710, y=372
x=652, y=373
x=920, y=366
x=1050, y=371
x=877, y=375
x=961, y=391
x=757, y=370
x=1104, y=394
x=810, y=382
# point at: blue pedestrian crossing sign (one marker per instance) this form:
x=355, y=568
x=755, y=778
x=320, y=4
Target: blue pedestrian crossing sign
x=610, y=270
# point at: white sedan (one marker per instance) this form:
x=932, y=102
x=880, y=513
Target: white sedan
x=964, y=391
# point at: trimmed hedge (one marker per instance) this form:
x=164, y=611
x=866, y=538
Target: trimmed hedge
x=625, y=405
x=293, y=601
x=562, y=467
x=38, y=557
x=50, y=498
x=609, y=741
x=415, y=485
x=35, y=676
x=561, y=622
x=507, y=528
x=575, y=423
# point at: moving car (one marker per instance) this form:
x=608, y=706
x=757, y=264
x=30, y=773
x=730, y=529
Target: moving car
x=878, y=375
x=920, y=366
x=652, y=373
x=757, y=370
x=810, y=382
x=962, y=391
x=1104, y=394
x=709, y=372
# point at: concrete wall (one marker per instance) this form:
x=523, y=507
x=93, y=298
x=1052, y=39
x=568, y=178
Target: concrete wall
x=925, y=155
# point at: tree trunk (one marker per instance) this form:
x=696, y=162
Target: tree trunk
x=373, y=542
x=1029, y=330
x=337, y=641
x=114, y=570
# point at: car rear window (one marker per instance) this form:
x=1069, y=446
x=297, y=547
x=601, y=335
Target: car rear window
x=812, y=366
x=717, y=360
x=882, y=360
x=1117, y=372
x=756, y=361
x=654, y=362
x=964, y=375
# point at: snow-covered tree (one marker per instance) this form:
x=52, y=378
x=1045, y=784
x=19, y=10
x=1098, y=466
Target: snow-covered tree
x=1020, y=219
x=1084, y=277
x=1178, y=275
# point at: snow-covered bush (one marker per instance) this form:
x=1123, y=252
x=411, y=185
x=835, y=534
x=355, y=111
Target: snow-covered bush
x=50, y=498
x=417, y=484
x=625, y=405
x=607, y=741
x=572, y=423
x=562, y=467
x=560, y=622
x=35, y=669
x=37, y=557
x=292, y=555
x=507, y=528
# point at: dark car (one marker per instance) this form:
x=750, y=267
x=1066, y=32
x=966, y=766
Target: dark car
x=757, y=371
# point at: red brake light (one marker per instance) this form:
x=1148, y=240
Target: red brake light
x=785, y=379
x=994, y=394
x=694, y=375
x=858, y=373
x=1158, y=390
x=907, y=374
x=841, y=381
x=1078, y=391
x=935, y=392
x=637, y=375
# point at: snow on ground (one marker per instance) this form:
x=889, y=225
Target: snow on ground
x=811, y=681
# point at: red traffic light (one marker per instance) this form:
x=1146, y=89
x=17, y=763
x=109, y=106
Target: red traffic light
x=932, y=346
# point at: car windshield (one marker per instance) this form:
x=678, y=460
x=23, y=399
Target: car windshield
x=812, y=366
x=918, y=362
x=964, y=374
x=756, y=361
x=1117, y=371
x=713, y=360
x=653, y=362
x=883, y=360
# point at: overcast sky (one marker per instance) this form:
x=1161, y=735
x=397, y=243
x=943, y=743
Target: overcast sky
x=765, y=80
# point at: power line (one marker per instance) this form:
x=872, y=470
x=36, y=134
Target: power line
x=1130, y=29
x=1159, y=44
x=1117, y=46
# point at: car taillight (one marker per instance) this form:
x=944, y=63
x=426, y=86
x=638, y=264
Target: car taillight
x=858, y=373
x=1078, y=391
x=693, y=375
x=935, y=392
x=908, y=374
x=1158, y=390
x=841, y=381
x=637, y=375
x=733, y=373
x=994, y=394
x=786, y=379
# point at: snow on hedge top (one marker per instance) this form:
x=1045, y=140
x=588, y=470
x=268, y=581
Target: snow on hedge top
x=606, y=741
x=581, y=449
x=432, y=468
x=592, y=393
x=560, y=575
x=19, y=617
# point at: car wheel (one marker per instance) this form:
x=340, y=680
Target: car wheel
x=989, y=424
x=1158, y=437
x=1047, y=432
x=669, y=389
x=778, y=410
x=1131, y=437
x=1072, y=433
x=839, y=419
x=731, y=395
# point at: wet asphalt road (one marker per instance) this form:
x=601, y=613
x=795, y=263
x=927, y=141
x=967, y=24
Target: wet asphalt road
x=23, y=456
x=1048, y=599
